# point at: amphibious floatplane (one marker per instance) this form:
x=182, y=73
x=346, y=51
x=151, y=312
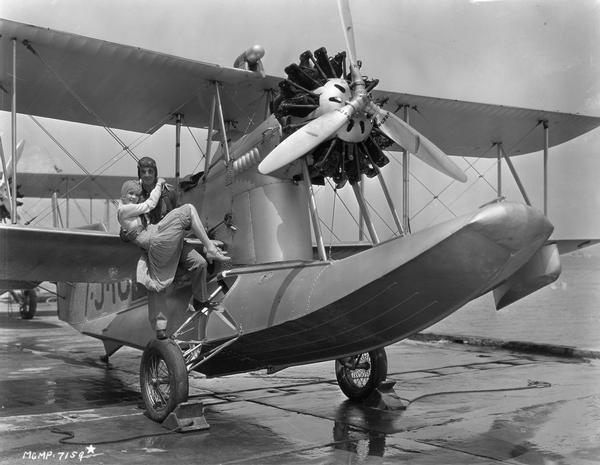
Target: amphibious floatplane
x=284, y=300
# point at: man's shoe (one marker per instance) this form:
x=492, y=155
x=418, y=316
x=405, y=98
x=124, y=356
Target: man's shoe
x=161, y=334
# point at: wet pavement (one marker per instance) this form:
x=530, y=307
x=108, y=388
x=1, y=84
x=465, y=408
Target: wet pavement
x=466, y=405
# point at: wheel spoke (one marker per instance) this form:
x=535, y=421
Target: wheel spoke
x=158, y=388
x=360, y=375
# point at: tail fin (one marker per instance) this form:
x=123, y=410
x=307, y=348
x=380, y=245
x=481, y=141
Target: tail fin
x=72, y=302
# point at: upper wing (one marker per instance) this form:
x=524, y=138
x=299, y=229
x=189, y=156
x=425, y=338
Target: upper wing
x=76, y=186
x=469, y=128
x=126, y=87
x=45, y=254
x=135, y=89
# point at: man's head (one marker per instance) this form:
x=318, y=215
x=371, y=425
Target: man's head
x=147, y=172
x=254, y=53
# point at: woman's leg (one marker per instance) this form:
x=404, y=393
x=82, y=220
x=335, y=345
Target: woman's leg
x=197, y=226
x=212, y=252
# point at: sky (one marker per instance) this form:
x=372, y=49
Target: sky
x=535, y=54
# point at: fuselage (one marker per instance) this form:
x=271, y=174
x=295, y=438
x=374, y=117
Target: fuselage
x=294, y=309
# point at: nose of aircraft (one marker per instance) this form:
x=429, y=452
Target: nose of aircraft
x=513, y=226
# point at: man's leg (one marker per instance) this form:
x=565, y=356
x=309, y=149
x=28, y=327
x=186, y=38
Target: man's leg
x=196, y=265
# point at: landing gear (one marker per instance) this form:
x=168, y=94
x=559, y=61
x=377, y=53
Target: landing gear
x=359, y=375
x=167, y=362
x=163, y=378
x=27, y=300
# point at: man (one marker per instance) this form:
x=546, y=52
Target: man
x=251, y=60
x=148, y=174
x=190, y=260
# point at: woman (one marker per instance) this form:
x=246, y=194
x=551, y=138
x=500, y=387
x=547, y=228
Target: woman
x=163, y=241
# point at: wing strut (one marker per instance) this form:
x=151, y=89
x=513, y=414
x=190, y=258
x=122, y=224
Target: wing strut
x=13, y=111
x=546, y=135
x=514, y=173
x=313, y=211
x=365, y=213
x=405, y=181
x=387, y=195
x=177, y=152
x=211, y=123
x=222, y=122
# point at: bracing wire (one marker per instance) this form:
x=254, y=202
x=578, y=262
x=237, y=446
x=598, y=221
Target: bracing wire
x=199, y=148
x=374, y=210
x=482, y=175
x=79, y=99
x=73, y=158
x=100, y=170
x=344, y=204
x=333, y=222
x=435, y=197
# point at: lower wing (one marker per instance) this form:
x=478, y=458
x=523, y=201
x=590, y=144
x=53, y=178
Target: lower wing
x=71, y=255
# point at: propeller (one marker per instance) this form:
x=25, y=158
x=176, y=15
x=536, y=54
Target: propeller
x=311, y=135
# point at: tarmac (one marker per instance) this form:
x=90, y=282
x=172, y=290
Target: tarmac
x=467, y=403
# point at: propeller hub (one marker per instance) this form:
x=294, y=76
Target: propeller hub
x=333, y=95
x=322, y=105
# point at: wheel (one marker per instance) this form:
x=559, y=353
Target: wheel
x=28, y=304
x=359, y=375
x=163, y=378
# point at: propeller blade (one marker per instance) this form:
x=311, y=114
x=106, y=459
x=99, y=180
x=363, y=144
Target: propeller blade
x=395, y=128
x=414, y=142
x=431, y=154
x=305, y=139
x=346, y=17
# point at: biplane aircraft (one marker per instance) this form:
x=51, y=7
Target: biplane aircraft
x=284, y=301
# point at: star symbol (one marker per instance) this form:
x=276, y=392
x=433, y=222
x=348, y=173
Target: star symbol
x=90, y=449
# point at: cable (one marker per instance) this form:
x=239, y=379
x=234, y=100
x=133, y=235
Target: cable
x=332, y=223
x=434, y=196
x=531, y=384
x=29, y=47
x=199, y=148
x=71, y=435
x=343, y=203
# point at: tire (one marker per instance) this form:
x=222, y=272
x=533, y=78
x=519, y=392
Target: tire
x=358, y=383
x=28, y=306
x=163, y=378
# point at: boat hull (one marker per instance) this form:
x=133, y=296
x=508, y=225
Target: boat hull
x=379, y=296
